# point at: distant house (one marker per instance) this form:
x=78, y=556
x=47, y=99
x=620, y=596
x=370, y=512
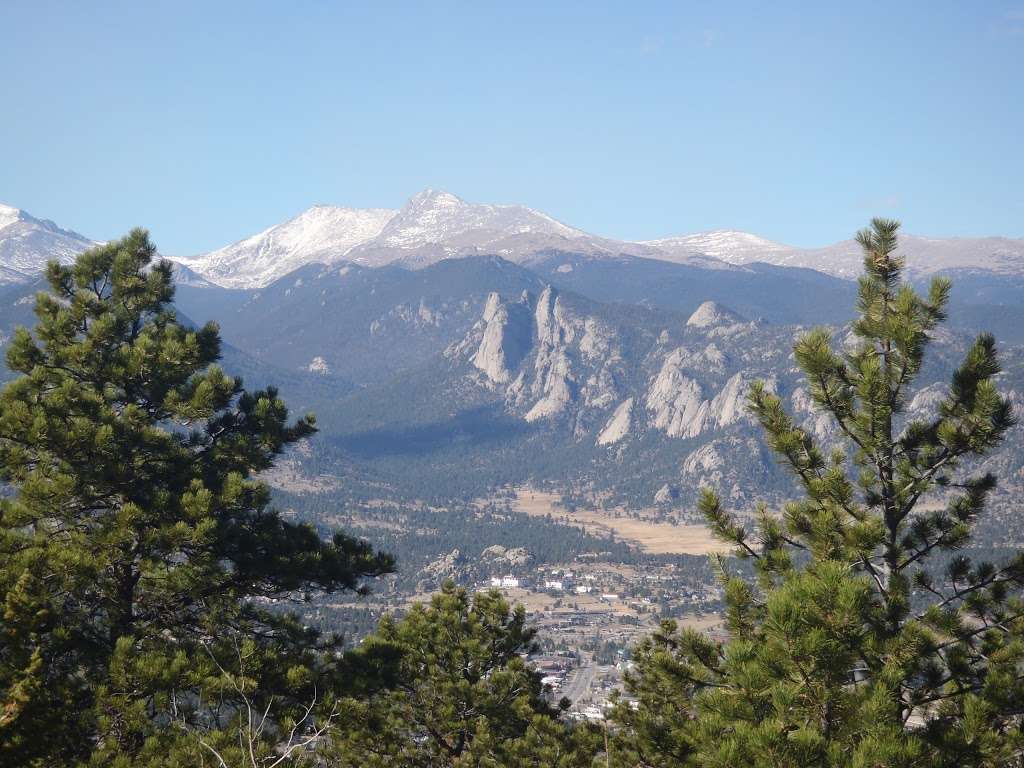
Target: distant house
x=509, y=582
x=554, y=584
x=582, y=589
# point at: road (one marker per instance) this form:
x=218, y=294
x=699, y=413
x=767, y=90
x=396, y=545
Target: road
x=578, y=682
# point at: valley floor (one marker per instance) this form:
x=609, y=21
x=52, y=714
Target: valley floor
x=647, y=528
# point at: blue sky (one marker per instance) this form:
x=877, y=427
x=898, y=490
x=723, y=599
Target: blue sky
x=206, y=122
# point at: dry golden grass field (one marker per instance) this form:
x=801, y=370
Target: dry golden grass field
x=652, y=536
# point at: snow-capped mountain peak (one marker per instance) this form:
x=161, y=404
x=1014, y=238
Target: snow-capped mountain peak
x=431, y=197
x=9, y=215
x=432, y=225
x=434, y=216
x=322, y=233
x=728, y=245
x=924, y=255
x=435, y=225
x=27, y=243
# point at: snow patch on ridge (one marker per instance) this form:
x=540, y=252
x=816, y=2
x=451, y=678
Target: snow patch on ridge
x=322, y=233
x=8, y=215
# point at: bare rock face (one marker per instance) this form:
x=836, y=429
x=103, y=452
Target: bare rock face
x=723, y=463
x=576, y=362
x=675, y=401
x=709, y=359
x=493, y=552
x=506, y=338
x=711, y=314
x=513, y=556
x=728, y=406
x=561, y=360
x=928, y=399
x=427, y=315
x=490, y=357
x=518, y=556
x=618, y=425
x=666, y=494
x=817, y=423
x=554, y=383
x=677, y=405
x=704, y=460
x=712, y=358
x=419, y=316
x=445, y=566
x=716, y=321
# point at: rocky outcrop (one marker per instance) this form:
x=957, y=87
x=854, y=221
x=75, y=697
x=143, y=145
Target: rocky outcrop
x=446, y=566
x=707, y=359
x=675, y=400
x=554, y=384
x=732, y=464
x=617, y=426
x=577, y=360
x=712, y=359
x=551, y=360
x=704, y=460
x=729, y=405
x=561, y=360
x=927, y=400
x=814, y=421
x=678, y=407
x=513, y=556
x=710, y=314
x=666, y=494
x=505, y=340
x=420, y=316
x=318, y=365
x=427, y=315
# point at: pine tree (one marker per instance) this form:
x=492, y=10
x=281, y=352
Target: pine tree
x=867, y=637
x=137, y=548
x=454, y=690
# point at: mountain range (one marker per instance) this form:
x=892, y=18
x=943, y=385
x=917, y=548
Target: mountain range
x=435, y=225
x=449, y=347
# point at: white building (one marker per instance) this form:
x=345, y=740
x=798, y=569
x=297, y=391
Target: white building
x=509, y=582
